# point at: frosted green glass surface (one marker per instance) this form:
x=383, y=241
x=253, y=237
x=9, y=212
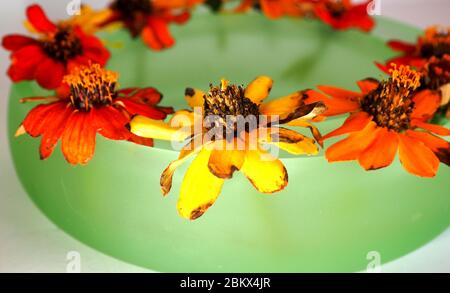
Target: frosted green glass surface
x=328, y=218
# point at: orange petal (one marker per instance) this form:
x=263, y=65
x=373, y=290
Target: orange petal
x=78, y=139
x=259, y=89
x=416, y=157
x=354, y=122
x=339, y=93
x=272, y=9
x=426, y=103
x=439, y=146
x=351, y=147
x=367, y=85
x=437, y=129
x=381, y=152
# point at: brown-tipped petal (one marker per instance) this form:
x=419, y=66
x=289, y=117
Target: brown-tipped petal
x=225, y=159
x=439, y=146
x=199, y=189
x=416, y=157
x=259, y=89
x=291, y=141
x=314, y=130
x=264, y=171
x=381, y=152
x=185, y=154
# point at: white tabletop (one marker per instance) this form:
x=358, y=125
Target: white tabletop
x=29, y=242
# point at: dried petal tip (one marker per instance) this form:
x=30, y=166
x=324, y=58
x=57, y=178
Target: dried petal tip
x=21, y=130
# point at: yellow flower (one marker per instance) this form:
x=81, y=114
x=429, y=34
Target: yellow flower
x=226, y=132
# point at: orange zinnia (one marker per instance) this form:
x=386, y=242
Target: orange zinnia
x=435, y=42
x=385, y=117
x=92, y=105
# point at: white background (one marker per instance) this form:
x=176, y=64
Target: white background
x=29, y=242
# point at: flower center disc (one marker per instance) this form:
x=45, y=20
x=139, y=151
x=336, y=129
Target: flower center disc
x=134, y=13
x=63, y=46
x=227, y=108
x=91, y=86
x=391, y=103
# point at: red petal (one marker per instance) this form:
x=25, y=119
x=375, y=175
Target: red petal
x=36, y=16
x=149, y=96
x=49, y=74
x=110, y=123
x=135, y=108
x=78, y=138
x=157, y=35
x=39, y=119
x=16, y=42
x=25, y=63
x=401, y=46
x=52, y=132
x=141, y=140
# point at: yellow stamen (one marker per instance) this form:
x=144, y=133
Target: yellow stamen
x=91, y=84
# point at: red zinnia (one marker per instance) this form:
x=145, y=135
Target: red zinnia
x=435, y=42
x=91, y=105
x=342, y=14
x=59, y=48
x=150, y=19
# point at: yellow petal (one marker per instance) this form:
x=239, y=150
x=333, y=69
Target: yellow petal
x=264, y=171
x=259, y=89
x=194, y=97
x=199, y=189
x=157, y=129
x=291, y=141
x=186, y=153
x=225, y=159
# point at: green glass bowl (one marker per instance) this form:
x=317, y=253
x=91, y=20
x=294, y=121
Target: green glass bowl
x=328, y=218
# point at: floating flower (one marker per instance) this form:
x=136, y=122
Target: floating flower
x=151, y=19
x=92, y=104
x=385, y=117
x=434, y=42
x=342, y=14
x=273, y=8
x=58, y=48
x=224, y=144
